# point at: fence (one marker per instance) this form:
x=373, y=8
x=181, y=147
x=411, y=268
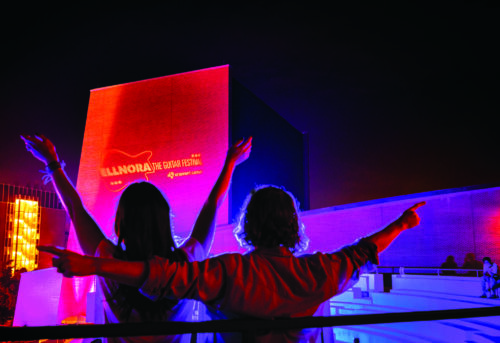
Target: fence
x=232, y=325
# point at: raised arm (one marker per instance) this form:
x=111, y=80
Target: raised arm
x=88, y=233
x=204, y=228
x=408, y=219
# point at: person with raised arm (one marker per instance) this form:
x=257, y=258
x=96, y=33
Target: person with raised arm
x=268, y=282
x=143, y=228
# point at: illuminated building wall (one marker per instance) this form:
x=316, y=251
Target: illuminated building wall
x=171, y=131
x=174, y=132
x=453, y=222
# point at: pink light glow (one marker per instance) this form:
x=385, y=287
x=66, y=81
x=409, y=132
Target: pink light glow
x=172, y=131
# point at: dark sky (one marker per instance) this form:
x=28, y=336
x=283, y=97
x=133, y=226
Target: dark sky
x=395, y=101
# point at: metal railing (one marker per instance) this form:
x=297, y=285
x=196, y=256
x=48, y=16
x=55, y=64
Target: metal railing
x=8, y=334
x=427, y=271
x=232, y=325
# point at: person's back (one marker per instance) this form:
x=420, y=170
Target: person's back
x=126, y=305
x=270, y=277
x=268, y=282
x=143, y=228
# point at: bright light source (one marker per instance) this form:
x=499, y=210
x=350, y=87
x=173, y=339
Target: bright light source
x=23, y=235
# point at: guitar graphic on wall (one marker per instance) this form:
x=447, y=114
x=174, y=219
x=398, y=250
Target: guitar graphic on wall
x=119, y=169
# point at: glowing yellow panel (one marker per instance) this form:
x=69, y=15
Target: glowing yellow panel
x=25, y=221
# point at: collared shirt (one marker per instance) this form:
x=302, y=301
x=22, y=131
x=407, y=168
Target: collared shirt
x=265, y=283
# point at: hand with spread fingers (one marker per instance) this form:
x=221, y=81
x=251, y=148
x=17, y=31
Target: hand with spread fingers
x=240, y=151
x=204, y=228
x=70, y=263
x=88, y=232
x=41, y=148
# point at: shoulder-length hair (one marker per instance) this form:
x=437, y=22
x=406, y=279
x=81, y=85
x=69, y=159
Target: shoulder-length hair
x=143, y=223
x=269, y=218
x=143, y=226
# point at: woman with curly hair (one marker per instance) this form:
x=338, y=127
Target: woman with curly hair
x=270, y=219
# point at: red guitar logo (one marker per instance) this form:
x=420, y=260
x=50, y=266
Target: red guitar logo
x=118, y=169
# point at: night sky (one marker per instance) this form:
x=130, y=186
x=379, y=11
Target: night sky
x=395, y=101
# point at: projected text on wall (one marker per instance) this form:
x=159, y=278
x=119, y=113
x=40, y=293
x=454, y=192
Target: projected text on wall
x=171, y=131
x=120, y=169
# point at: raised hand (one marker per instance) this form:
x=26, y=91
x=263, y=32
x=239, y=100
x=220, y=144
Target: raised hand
x=70, y=263
x=240, y=151
x=41, y=148
x=410, y=218
x=204, y=228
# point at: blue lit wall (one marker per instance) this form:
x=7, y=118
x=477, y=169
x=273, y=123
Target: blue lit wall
x=454, y=222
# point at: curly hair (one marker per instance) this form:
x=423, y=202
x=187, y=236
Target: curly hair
x=270, y=218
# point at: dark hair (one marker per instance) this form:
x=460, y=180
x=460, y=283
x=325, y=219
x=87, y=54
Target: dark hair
x=270, y=218
x=143, y=227
x=470, y=256
x=142, y=223
x=487, y=259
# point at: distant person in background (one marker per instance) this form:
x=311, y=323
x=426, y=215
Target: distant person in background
x=449, y=264
x=470, y=262
x=490, y=281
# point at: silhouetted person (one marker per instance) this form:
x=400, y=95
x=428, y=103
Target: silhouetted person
x=143, y=228
x=470, y=262
x=449, y=264
x=267, y=282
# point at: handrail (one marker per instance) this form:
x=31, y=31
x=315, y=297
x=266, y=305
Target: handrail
x=458, y=271
x=401, y=270
x=232, y=325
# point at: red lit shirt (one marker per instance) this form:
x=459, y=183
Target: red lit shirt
x=184, y=310
x=265, y=283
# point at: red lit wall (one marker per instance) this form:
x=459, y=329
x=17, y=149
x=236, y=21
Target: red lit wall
x=171, y=131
